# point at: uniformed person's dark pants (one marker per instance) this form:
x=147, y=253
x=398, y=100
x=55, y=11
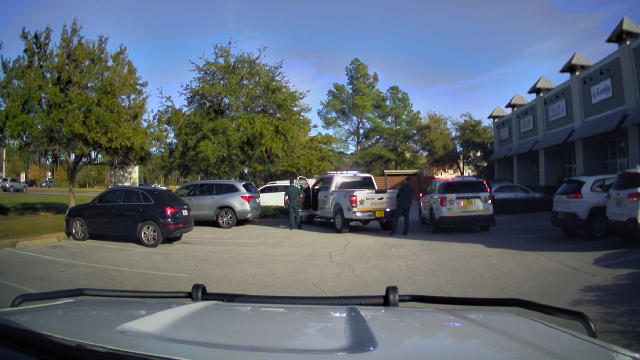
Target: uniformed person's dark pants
x=294, y=215
x=402, y=209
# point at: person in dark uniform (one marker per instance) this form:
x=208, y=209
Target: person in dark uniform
x=403, y=206
x=292, y=195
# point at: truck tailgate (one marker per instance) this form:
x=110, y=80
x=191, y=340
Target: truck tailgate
x=368, y=200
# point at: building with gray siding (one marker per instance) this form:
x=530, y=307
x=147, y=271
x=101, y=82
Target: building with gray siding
x=589, y=124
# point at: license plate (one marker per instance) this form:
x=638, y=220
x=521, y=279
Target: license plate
x=379, y=213
x=467, y=203
x=560, y=215
x=619, y=202
x=185, y=212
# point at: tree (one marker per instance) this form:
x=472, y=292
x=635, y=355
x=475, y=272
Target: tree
x=78, y=97
x=474, y=141
x=242, y=118
x=351, y=108
x=435, y=141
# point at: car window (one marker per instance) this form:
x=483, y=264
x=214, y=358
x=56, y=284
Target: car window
x=170, y=197
x=146, y=198
x=356, y=182
x=5, y=179
x=110, y=197
x=250, y=188
x=326, y=184
x=502, y=189
x=189, y=190
x=602, y=185
x=223, y=189
x=266, y=190
x=464, y=187
x=131, y=197
x=206, y=189
x=570, y=186
x=282, y=188
x=626, y=181
x=518, y=189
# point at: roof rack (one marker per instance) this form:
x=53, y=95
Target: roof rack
x=391, y=297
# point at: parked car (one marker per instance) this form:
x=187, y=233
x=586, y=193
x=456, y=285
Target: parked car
x=456, y=202
x=623, y=205
x=48, y=184
x=225, y=201
x=153, y=215
x=580, y=203
x=12, y=184
x=31, y=183
x=272, y=194
x=515, y=191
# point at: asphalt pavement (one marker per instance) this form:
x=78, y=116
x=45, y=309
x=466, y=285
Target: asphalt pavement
x=522, y=257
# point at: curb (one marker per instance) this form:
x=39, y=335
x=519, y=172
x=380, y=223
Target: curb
x=32, y=241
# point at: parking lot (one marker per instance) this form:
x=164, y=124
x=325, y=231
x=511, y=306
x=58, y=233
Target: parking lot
x=523, y=256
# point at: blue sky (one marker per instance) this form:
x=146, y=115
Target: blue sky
x=450, y=56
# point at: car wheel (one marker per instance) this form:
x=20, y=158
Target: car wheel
x=24, y=189
x=149, y=234
x=307, y=219
x=433, y=226
x=485, y=227
x=11, y=189
x=226, y=218
x=79, y=229
x=175, y=238
x=342, y=226
x=597, y=226
x=570, y=231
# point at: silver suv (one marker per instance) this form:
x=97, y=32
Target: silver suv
x=225, y=201
x=13, y=184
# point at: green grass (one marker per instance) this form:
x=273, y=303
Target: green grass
x=18, y=204
x=25, y=226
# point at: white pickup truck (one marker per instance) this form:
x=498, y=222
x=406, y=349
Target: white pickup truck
x=348, y=198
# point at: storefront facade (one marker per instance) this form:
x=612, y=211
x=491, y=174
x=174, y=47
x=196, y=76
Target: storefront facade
x=587, y=125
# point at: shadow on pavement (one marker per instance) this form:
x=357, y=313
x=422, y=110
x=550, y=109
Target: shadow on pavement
x=619, y=299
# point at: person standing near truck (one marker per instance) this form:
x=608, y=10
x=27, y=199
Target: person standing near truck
x=403, y=206
x=292, y=195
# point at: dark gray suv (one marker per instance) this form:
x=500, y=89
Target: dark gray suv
x=225, y=201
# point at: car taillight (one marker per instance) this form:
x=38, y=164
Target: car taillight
x=633, y=197
x=247, y=198
x=353, y=201
x=443, y=201
x=170, y=210
x=574, y=196
x=608, y=196
x=420, y=194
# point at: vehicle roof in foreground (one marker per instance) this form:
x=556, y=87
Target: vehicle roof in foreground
x=203, y=325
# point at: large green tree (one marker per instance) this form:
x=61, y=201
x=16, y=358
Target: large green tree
x=474, y=141
x=350, y=109
x=435, y=141
x=75, y=96
x=242, y=119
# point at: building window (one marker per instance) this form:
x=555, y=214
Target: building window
x=568, y=162
x=615, y=154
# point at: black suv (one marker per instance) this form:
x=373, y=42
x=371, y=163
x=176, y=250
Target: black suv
x=151, y=214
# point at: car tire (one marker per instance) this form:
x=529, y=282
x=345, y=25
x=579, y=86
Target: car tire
x=79, y=230
x=386, y=225
x=485, y=227
x=226, y=218
x=24, y=189
x=175, y=238
x=149, y=234
x=570, y=231
x=434, y=228
x=308, y=219
x=11, y=189
x=423, y=221
x=597, y=226
x=341, y=224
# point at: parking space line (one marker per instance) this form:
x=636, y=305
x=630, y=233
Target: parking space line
x=618, y=260
x=520, y=226
x=18, y=286
x=234, y=241
x=145, y=249
x=97, y=265
x=534, y=235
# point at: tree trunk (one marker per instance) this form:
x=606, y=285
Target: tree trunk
x=73, y=173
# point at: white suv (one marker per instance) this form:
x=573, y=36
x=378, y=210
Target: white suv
x=623, y=207
x=580, y=204
x=461, y=201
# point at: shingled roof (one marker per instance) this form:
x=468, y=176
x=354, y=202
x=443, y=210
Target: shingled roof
x=517, y=101
x=543, y=84
x=577, y=61
x=625, y=29
x=498, y=112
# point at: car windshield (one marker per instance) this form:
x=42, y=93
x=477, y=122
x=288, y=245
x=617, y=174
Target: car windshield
x=452, y=149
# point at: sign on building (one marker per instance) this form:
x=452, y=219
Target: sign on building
x=504, y=133
x=601, y=91
x=526, y=123
x=558, y=110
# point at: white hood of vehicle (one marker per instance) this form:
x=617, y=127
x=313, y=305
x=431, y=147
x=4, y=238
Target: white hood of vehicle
x=215, y=330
